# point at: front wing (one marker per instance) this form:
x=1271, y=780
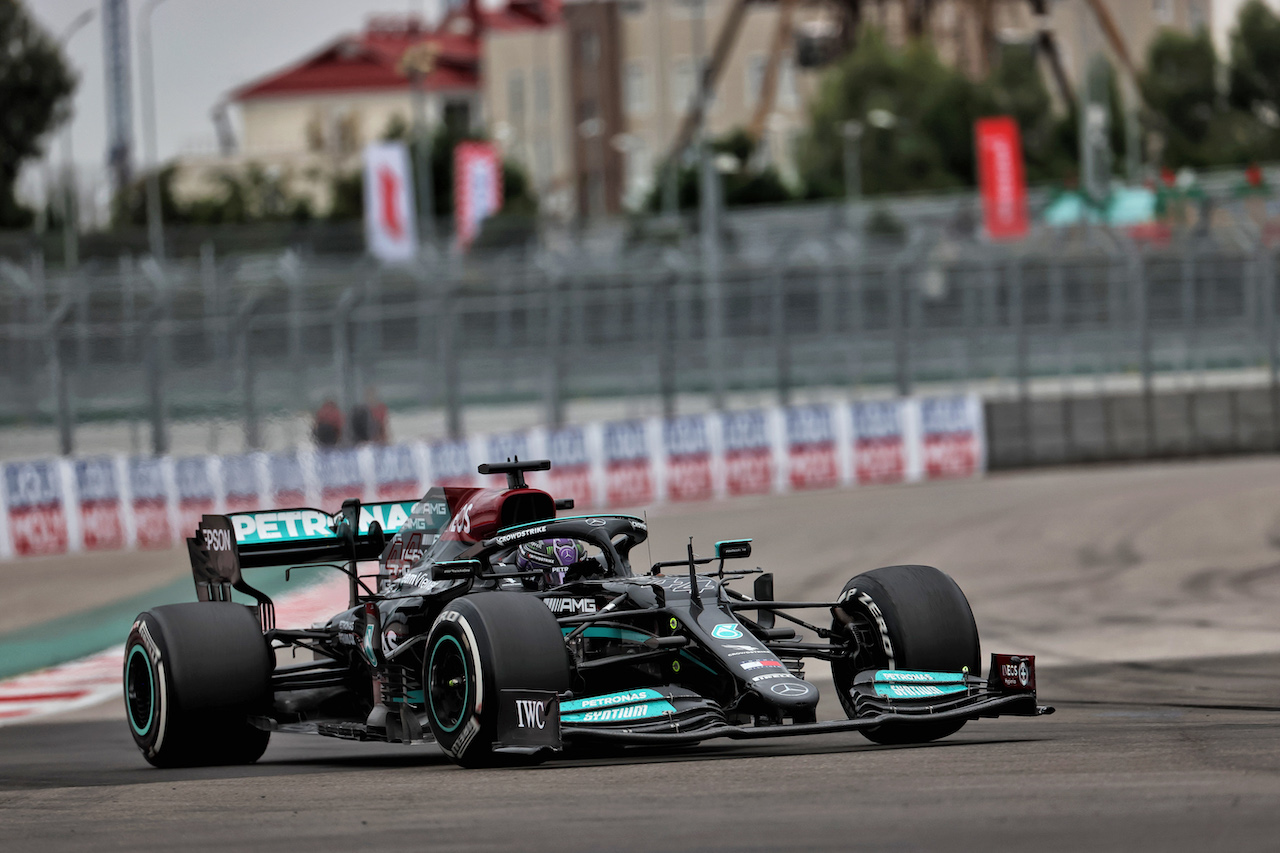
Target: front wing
x=669, y=716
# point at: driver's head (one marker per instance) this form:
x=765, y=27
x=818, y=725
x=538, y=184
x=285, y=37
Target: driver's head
x=551, y=557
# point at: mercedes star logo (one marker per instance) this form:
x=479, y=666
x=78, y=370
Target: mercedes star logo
x=790, y=689
x=596, y=522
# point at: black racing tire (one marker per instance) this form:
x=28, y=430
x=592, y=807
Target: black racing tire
x=920, y=620
x=193, y=675
x=480, y=645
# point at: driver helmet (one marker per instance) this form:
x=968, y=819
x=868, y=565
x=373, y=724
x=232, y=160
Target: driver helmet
x=551, y=557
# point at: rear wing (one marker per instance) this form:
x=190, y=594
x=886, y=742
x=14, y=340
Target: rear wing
x=226, y=544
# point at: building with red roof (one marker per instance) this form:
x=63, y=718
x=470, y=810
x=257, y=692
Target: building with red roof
x=309, y=121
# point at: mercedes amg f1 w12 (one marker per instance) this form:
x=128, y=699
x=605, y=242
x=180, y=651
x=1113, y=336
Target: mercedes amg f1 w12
x=456, y=640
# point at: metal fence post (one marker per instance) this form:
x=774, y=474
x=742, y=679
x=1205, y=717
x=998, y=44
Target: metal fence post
x=1273, y=346
x=1190, y=344
x=447, y=355
x=897, y=309
x=157, y=326
x=712, y=286
x=252, y=435
x=1138, y=279
x=344, y=371
x=291, y=273
x=555, y=344
x=781, y=341
x=57, y=369
x=1017, y=313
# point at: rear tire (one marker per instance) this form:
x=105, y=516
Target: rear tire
x=193, y=674
x=480, y=645
x=920, y=620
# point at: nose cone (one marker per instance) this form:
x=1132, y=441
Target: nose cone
x=788, y=694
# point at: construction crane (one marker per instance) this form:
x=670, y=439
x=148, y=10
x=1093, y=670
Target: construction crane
x=917, y=16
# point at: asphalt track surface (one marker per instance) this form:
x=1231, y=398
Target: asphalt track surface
x=1149, y=595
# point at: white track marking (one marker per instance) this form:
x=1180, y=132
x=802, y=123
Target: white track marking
x=96, y=678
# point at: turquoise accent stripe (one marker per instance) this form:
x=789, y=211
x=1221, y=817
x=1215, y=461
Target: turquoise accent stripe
x=918, y=691
x=621, y=713
x=466, y=687
x=611, y=634
x=609, y=700
x=79, y=634
x=910, y=676
x=138, y=651
x=416, y=697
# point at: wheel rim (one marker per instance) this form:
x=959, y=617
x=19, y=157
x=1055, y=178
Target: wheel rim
x=139, y=690
x=449, y=683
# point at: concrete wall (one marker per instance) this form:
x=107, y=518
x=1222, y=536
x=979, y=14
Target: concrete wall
x=1119, y=427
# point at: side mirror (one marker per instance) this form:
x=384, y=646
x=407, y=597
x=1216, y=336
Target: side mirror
x=764, y=592
x=455, y=570
x=733, y=549
x=564, y=503
x=376, y=536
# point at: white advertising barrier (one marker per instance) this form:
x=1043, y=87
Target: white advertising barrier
x=151, y=496
x=197, y=492
x=630, y=454
x=812, y=444
x=689, y=470
x=881, y=445
x=398, y=472
x=100, y=503
x=37, y=510
x=577, y=470
x=953, y=438
x=750, y=446
x=54, y=506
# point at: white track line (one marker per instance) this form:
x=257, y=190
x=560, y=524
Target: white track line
x=96, y=678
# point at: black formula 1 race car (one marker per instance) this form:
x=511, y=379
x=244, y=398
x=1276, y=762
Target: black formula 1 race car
x=457, y=642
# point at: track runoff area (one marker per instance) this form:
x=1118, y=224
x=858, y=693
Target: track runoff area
x=1147, y=593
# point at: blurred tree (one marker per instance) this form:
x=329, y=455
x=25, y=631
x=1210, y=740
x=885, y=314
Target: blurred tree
x=35, y=90
x=1254, y=74
x=918, y=116
x=1179, y=86
x=742, y=183
x=251, y=194
x=1049, y=139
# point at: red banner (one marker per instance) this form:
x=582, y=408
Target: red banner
x=1002, y=178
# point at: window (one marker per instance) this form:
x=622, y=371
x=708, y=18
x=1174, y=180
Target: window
x=457, y=116
x=639, y=172
x=755, y=79
x=635, y=85
x=589, y=48
x=1195, y=13
x=686, y=9
x=787, y=98
x=682, y=85
x=542, y=160
x=515, y=95
x=541, y=91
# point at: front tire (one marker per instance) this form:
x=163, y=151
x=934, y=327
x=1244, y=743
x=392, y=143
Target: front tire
x=193, y=674
x=916, y=617
x=479, y=646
